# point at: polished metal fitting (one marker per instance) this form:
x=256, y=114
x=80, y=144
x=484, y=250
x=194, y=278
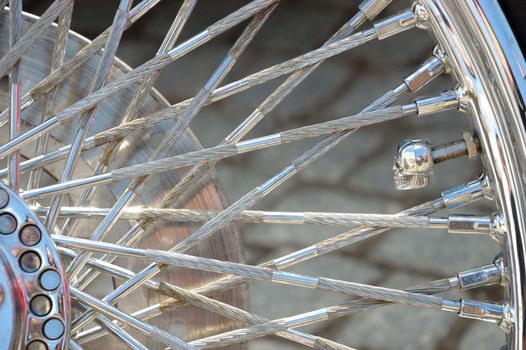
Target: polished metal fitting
x=469, y=224
x=499, y=262
x=464, y=99
x=432, y=67
x=498, y=228
x=371, y=8
x=416, y=157
x=435, y=104
x=486, y=275
x=32, y=281
x=507, y=317
x=294, y=279
x=421, y=15
x=441, y=55
x=468, y=193
x=493, y=225
x=413, y=164
x=395, y=24
x=489, y=312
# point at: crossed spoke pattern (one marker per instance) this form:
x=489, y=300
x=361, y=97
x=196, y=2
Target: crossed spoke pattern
x=87, y=259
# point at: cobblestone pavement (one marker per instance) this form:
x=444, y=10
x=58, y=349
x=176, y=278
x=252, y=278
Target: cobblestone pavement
x=354, y=177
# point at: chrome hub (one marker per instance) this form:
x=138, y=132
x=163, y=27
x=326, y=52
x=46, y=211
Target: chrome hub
x=34, y=301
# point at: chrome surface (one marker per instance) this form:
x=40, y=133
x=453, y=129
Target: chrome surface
x=413, y=164
x=427, y=106
x=474, y=45
x=223, y=246
x=466, y=193
x=489, y=65
x=481, y=276
x=26, y=305
x=415, y=158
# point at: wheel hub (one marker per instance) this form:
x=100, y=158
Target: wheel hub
x=34, y=300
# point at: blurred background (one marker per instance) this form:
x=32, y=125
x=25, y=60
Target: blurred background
x=354, y=177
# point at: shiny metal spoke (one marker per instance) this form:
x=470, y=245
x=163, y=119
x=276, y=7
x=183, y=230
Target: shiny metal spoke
x=37, y=29
x=266, y=274
x=155, y=333
x=179, y=128
x=86, y=120
x=161, y=61
x=265, y=217
x=136, y=103
x=15, y=32
x=50, y=97
x=58, y=75
x=119, y=229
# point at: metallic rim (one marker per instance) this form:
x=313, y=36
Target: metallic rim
x=491, y=68
x=475, y=45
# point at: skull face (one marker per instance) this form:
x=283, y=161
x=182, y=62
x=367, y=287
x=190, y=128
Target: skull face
x=413, y=164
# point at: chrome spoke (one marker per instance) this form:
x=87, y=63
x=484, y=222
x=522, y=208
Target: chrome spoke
x=15, y=32
x=142, y=92
x=161, y=61
x=178, y=129
x=50, y=97
x=84, y=54
x=15, y=53
x=86, y=120
x=114, y=193
x=151, y=331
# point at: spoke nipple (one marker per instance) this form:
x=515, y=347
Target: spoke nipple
x=498, y=228
x=395, y=24
x=439, y=103
x=499, y=263
x=493, y=225
x=489, y=312
x=486, y=275
x=441, y=55
x=487, y=190
x=416, y=157
x=467, y=193
x=421, y=15
x=507, y=317
x=463, y=99
x=425, y=73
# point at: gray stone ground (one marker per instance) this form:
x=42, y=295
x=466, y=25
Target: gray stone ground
x=355, y=177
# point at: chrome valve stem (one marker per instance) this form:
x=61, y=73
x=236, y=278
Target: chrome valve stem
x=413, y=164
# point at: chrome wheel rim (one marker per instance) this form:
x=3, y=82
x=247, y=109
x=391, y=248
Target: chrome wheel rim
x=479, y=35
x=465, y=47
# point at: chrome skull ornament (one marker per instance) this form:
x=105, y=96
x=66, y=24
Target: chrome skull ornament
x=413, y=164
